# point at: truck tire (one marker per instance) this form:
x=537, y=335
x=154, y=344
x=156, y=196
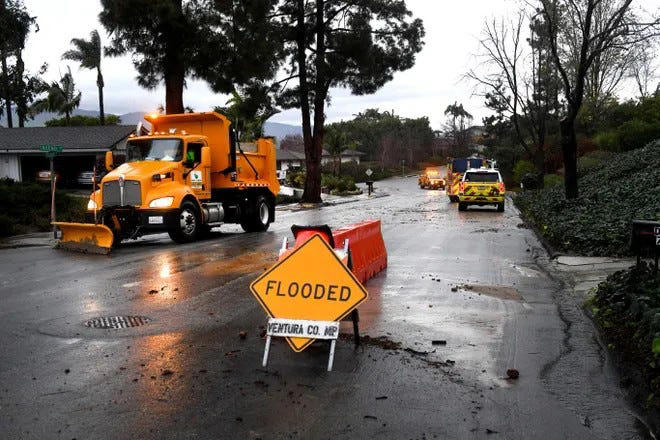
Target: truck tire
x=462, y=206
x=189, y=226
x=500, y=207
x=257, y=219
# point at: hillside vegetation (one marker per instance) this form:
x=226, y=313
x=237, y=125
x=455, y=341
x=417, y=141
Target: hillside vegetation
x=622, y=188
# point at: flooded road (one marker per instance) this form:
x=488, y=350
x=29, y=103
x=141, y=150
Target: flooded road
x=464, y=299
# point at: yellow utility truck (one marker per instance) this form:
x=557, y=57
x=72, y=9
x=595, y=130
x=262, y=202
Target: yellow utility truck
x=187, y=175
x=481, y=187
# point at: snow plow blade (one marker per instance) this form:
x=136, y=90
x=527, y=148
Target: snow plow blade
x=85, y=237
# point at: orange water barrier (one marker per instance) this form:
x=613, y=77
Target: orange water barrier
x=366, y=255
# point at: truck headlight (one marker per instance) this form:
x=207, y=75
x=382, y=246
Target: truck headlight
x=163, y=202
x=91, y=205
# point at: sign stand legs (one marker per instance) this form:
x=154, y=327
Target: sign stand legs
x=331, y=357
x=355, y=317
x=266, y=351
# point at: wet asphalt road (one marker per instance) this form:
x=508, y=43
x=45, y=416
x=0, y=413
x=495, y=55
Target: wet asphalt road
x=187, y=374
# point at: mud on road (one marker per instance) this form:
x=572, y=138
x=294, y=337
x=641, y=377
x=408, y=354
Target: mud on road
x=464, y=299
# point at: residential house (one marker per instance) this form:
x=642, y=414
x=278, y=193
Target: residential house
x=21, y=158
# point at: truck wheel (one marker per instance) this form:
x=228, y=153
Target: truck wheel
x=462, y=206
x=258, y=218
x=500, y=207
x=189, y=224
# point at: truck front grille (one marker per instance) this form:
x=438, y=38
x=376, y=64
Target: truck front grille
x=112, y=193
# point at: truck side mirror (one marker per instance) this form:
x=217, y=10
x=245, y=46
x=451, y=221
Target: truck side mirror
x=206, y=157
x=109, y=165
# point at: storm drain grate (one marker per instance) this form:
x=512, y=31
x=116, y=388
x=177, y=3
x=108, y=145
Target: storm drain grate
x=117, y=322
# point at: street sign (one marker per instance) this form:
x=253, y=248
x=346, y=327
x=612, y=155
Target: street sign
x=311, y=284
x=51, y=150
x=369, y=172
x=656, y=232
x=288, y=328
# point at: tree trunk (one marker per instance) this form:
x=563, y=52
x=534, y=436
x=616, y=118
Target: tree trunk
x=67, y=117
x=539, y=162
x=5, y=89
x=568, y=144
x=21, y=100
x=174, y=67
x=303, y=92
x=5, y=75
x=100, y=84
x=314, y=150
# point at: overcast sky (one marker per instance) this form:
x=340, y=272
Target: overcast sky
x=452, y=30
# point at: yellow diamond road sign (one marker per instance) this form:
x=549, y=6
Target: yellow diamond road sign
x=311, y=284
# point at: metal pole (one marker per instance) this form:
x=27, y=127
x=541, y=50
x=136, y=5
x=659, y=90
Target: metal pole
x=93, y=190
x=52, y=196
x=331, y=358
x=266, y=350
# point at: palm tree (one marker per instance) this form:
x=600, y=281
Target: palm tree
x=61, y=99
x=248, y=112
x=88, y=54
x=335, y=142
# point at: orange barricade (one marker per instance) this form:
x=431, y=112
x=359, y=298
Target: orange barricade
x=368, y=255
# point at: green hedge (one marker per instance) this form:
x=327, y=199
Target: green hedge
x=26, y=207
x=598, y=222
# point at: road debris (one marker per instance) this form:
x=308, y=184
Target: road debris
x=416, y=352
x=371, y=417
x=242, y=335
x=153, y=292
x=381, y=397
x=167, y=372
x=438, y=342
x=512, y=373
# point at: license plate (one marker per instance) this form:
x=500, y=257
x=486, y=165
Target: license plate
x=156, y=220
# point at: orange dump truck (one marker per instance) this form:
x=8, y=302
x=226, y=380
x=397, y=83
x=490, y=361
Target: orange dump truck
x=186, y=175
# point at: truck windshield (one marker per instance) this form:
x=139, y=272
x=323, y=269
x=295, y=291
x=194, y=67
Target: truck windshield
x=168, y=150
x=482, y=177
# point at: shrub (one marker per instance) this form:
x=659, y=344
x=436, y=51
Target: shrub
x=295, y=179
x=550, y=180
x=338, y=184
x=608, y=140
x=530, y=181
x=26, y=207
x=521, y=168
x=634, y=134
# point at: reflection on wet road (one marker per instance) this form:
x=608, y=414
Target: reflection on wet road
x=468, y=279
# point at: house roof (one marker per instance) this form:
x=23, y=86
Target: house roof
x=289, y=155
x=94, y=138
x=352, y=153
